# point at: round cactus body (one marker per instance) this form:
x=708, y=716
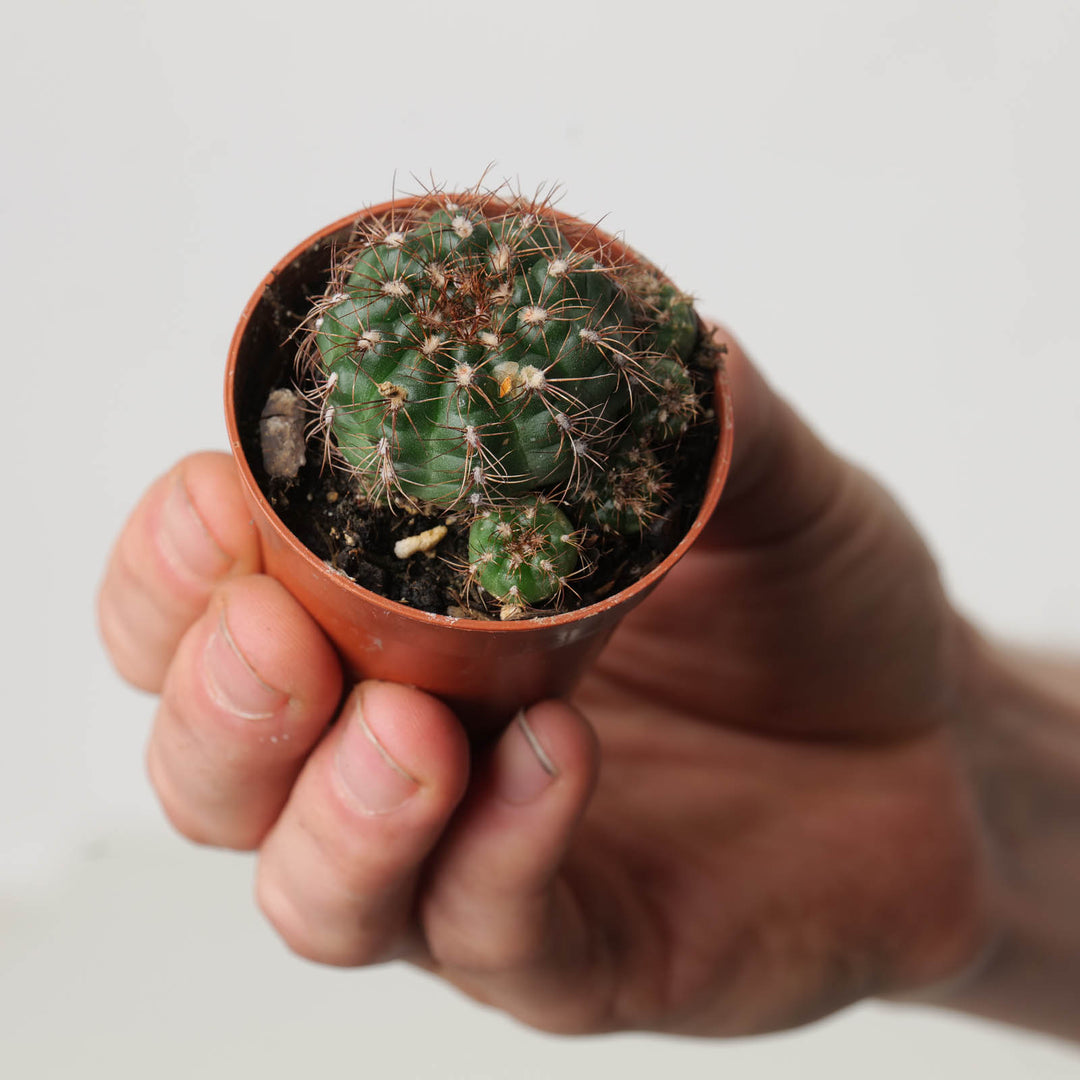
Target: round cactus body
x=475, y=358
x=664, y=414
x=627, y=494
x=522, y=554
x=676, y=322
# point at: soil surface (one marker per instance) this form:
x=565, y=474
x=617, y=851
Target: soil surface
x=358, y=539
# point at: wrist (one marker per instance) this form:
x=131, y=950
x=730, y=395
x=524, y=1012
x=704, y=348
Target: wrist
x=1018, y=739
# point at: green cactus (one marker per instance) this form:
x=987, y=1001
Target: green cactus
x=522, y=553
x=467, y=355
x=627, y=494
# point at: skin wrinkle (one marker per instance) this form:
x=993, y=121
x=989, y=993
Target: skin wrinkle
x=281, y=912
x=834, y=553
x=125, y=644
x=621, y=937
x=352, y=934
x=684, y=876
x=146, y=595
x=218, y=693
x=138, y=578
x=199, y=519
x=756, y=941
x=167, y=545
x=178, y=724
x=338, y=862
x=176, y=809
x=450, y=918
x=579, y=948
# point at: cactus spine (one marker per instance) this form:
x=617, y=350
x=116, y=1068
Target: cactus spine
x=468, y=355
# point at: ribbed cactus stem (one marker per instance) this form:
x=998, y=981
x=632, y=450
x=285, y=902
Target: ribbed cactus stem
x=474, y=359
x=522, y=554
x=627, y=495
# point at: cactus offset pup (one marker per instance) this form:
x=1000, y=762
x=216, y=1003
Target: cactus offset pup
x=470, y=358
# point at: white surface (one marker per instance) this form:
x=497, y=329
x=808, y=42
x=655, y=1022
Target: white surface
x=880, y=198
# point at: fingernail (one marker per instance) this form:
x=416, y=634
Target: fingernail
x=372, y=777
x=231, y=680
x=185, y=540
x=523, y=768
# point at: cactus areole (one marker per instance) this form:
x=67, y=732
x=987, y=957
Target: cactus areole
x=469, y=362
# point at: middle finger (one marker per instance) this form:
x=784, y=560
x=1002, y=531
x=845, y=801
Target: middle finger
x=337, y=871
x=251, y=689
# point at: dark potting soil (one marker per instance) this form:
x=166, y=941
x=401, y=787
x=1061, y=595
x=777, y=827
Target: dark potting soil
x=357, y=538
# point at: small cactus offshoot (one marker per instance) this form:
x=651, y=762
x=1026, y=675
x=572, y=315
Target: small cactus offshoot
x=470, y=356
x=522, y=553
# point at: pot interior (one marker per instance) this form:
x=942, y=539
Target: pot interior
x=265, y=354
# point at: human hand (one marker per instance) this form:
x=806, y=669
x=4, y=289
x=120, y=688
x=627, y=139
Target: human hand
x=762, y=819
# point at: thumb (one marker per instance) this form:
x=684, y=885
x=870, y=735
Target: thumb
x=782, y=475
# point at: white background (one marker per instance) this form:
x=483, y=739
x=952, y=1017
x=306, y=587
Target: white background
x=881, y=198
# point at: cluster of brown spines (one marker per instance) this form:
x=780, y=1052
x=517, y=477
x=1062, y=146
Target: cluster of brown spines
x=625, y=498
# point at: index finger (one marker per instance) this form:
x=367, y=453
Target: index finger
x=191, y=530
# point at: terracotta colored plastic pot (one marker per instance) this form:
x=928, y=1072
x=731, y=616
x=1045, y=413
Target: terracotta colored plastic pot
x=485, y=671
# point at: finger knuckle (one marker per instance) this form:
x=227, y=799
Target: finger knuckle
x=200, y=712
x=127, y=649
x=145, y=569
x=278, y=910
x=481, y=949
x=305, y=934
x=177, y=810
x=204, y=821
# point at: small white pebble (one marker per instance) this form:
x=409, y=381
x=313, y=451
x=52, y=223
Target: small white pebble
x=424, y=541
